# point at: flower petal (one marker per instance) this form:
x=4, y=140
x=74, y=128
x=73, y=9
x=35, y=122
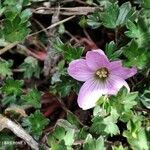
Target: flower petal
x=115, y=64
x=79, y=70
x=123, y=72
x=90, y=93
x=96, y=59
x=115, y=83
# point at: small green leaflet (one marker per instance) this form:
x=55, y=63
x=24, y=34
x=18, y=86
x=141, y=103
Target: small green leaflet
x=93, y=144
x=12, y=87
x=32, y=98
x=35, y=123
x=5, y=70
x=30, y=67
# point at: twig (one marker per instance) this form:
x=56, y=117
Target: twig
x=24, y=50
x=41, y=26
x=80, y=2
x=52, y=56
x=87, y=35
x=72, y=37
x=19, y=131
x=53, y=25
x=66, y=11
x=8, y=47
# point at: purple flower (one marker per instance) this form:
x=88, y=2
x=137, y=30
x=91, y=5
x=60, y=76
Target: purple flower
x=101, y=77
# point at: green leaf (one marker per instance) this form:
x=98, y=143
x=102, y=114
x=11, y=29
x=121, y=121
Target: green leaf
x=120, y=147
x=110, y=15
x=35, y=123
x=135, y=32
x=60, y=71
x=5, y=68
x=136, y=135
x=106, y=125
x=114, y=16
x=12, y=12
x=25, y=15
x=32, y=98
x=145, y=99
x=61, y=29
x=73, y=119
x=16, y=21
x=65, y=86
x=69, y=137
x=13, y=2
x=135, y=56
x=145, y=3
x=12, y=87
x=30, y=67
x=9, y=100
x=93, y=144
x=140, y=31
x=69, y=52
x=65, y=124
x=111, y=51
x=94, y=20
x=83, y=22
x=105, y=3
x=123, y=102
x=15, y=30
x=62, y=135
x=126, y=12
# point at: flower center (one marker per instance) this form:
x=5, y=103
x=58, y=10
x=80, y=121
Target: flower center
x=102, y=73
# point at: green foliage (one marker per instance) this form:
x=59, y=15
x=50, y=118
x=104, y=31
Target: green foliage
x=60, y=71
x=9, y=100
x=73, y=119
x=112, y=16
x=136, y=134
x=135, y=56
x=123, y=102
x=106, y=125
x=105, y=3
x=118, y=122
x=146, y=4
x=35, y=123
x=15, y=26
x=145, y=99
x=64, y=86
x=94, y=20
x=32, y=98
x=120, y=147
x=5, y=70
x=93, y=144
x=69, y=52
x=111, y=51
x=30, y=67
x=135, y=32
x=140, y=31
x=12, y=87
x=63, y=137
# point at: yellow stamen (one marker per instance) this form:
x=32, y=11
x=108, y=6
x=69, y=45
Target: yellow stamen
x=102, y=73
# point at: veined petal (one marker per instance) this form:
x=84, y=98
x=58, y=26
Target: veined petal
x=99, y=51
x=115, y=83
x=79, y=70
x=96, y=59
x=123, y=72
x=90, y=93
x=115, y=64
